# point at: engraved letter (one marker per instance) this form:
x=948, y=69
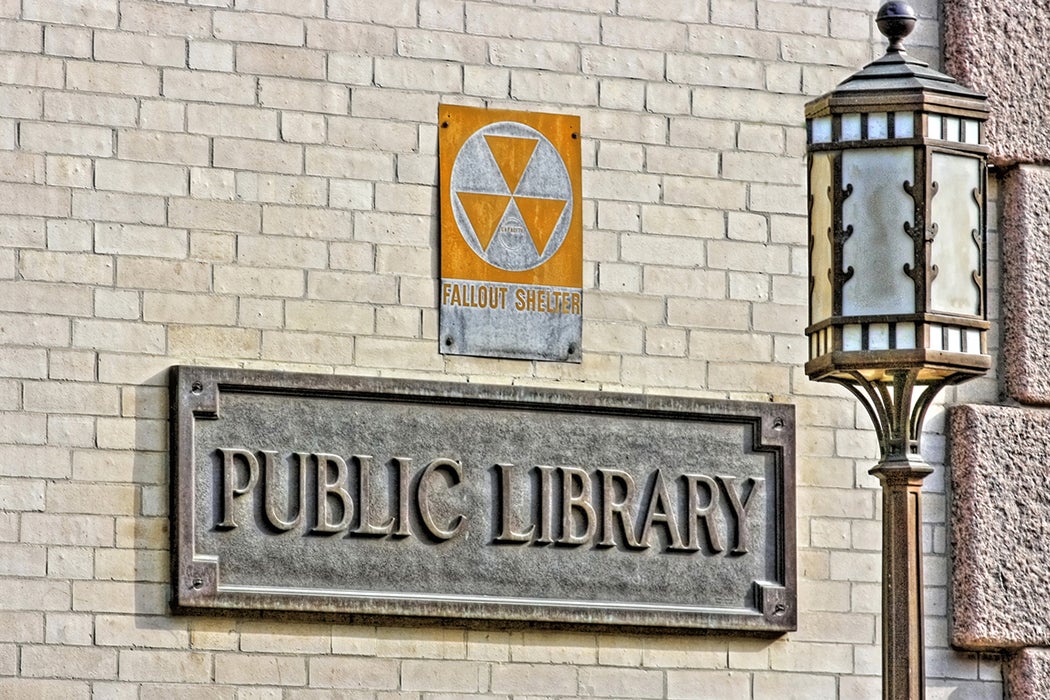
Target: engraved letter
x=364, y=476
x=404, y=469
x=573, y=499
x=229, y=481
x=507, y=533
x=270, y=490
x=337, y=488
x=707, y=514
x=546, y=503
x=661, y=509
x=423, y=499
x=741, y=509
x=621, y=508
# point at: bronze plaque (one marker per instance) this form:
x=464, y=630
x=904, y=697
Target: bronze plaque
x=415, y=499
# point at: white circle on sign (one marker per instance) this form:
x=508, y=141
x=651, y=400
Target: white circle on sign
x=511, y=196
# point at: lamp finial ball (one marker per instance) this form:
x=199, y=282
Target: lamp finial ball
x=896, y=20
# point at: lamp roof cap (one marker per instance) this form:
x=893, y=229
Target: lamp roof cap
x=898, y=73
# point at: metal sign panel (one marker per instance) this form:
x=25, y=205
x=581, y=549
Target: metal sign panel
x=371, y=496
x=511, y=234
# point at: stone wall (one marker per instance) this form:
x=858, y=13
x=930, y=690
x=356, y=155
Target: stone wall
x=999, y=493
x=252, y=183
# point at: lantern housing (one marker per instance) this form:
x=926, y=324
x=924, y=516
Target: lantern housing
x=897, y=199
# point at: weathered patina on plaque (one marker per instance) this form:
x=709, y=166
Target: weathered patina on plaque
x=372, y=496
x=511, y=234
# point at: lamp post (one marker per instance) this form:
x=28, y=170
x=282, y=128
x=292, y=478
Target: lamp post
x=896, y=176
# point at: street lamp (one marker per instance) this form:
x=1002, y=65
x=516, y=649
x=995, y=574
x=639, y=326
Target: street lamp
x=897, y=306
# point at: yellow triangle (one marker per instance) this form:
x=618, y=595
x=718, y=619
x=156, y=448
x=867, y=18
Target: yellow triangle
x=484, y=212
x=512, y=155
x=541, y=216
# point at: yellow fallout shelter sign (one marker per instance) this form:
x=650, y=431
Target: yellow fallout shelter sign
x=511, y=234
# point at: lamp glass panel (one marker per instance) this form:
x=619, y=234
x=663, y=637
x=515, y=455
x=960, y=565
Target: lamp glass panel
x=905, y=336
x=820, y=130
x=820, y=174
x=850, y=127
x=877, y=125
x=879, y=247
x=955, y=252
x=904, y=124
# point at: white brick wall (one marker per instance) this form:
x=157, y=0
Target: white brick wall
x=253, y=183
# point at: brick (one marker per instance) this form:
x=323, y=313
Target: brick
x=161, y=274
x=188, y=309
x=354, y=70
x=273, y=251
x=559, y=89
x=227, y=120
x=622, y=682
x=541, y=55
x=767, y=686
x=353, y=287
x=393, y=14
x=22, y=428
x=518, y=23
x=281, y=93
x=393, y=229
x=97, y=13
x=332, y=317
x=68, y=662
x=117, y=304
x=30, y=363
x=264, y=156
x=72, y=140
x=395, y=105
x=353, y=672
x=23, y=38
x=211, y=56
x=21, y=102
x=90, y=109
x=257, y=669
x=73, y=42
x=341, y=162
x=283, y=189
x=214, y=216
x=139, y=48
x=534, y=679
x=280, y=61
x=413, y=74
x=113, y=78
x=443, y=47
x=323, y=224
x=258, y=27
x=163, y=147
x=43, y=689
x=443, y=676
x=22, y=560
x=30, y=70
x=141, y=240
x=119, y=207
x=141, y=178
x=651, y=35
x=356, y=39
x=149, y=665
x=262, y=282
x=201, y=86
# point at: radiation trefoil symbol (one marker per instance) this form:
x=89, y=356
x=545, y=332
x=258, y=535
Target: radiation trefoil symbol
x=511, y=196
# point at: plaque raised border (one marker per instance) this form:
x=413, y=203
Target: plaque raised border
x=240, y=578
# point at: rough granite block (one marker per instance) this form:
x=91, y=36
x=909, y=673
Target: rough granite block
x=999, y=47
x=1026, y=286
x=1027, y=675
x=1000, y=497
